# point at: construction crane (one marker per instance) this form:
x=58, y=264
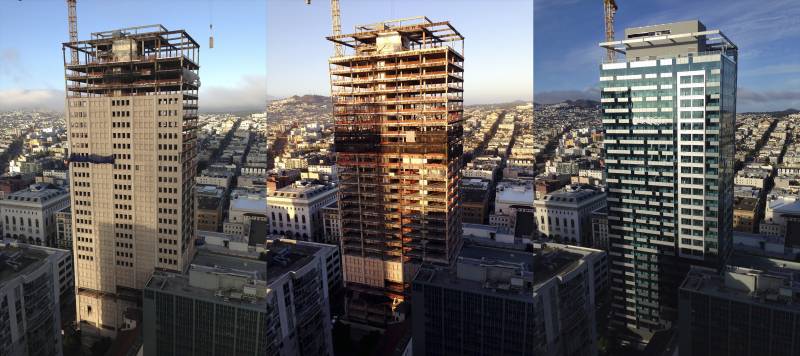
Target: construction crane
x=610, y=7
x=72, y=15
x=337, y=26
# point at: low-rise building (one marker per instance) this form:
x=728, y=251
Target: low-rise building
x=244, y=208
x=209, y=207
x=506, y=301
x=566, y=214
x=219, y=306
x=295, y=211
x=744, y=310
x=29, y=215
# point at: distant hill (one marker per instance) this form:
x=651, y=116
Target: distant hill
x=782, y=113
x=583, y=103
x=306, y=99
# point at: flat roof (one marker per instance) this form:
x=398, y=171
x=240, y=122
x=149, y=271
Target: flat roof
x=284, y=257
x=217, y=260
x=17, y=261
x=248, y=203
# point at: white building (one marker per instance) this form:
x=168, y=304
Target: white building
x=781, y=208
x=244, y=208
x=752, y=177
x=510, y=199
x=566, y=214
x=296, y=210
x=29, y=215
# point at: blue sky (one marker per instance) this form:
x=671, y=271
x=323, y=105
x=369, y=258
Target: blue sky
x=498, y=46
x=233, y=73
x=767, y=33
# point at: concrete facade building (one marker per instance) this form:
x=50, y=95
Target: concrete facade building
x=217, y=307
x=668, y=112
x=743, y=311
x=30, y=322
x=64, y=229
x=295, y=211
x=209, y=207
x=398, y=136
x=132, y=122
x=565, y=215
x=29, y=215
x=497, y=301
x=298, y=302
x=245, y=208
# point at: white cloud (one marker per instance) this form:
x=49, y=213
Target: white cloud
x=249, y=93
x=13, y=99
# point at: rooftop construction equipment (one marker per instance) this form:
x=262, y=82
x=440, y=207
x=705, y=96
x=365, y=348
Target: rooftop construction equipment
x=610, y=9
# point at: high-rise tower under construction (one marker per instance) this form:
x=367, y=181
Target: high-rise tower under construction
x=131, y=118
x=399, y=142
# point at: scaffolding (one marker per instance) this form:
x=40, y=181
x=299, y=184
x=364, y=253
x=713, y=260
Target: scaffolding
x=397, y=94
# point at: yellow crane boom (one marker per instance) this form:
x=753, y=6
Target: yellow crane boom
x=610, y=9
x=72, y=17
x=336, y=24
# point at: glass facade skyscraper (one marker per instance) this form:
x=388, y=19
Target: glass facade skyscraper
x=668, y=112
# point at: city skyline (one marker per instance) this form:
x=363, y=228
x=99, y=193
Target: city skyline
x=30, y=64
x=384, y=177
x=567, y=33
x=294, y=66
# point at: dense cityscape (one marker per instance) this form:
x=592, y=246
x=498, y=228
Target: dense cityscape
x=400, y=196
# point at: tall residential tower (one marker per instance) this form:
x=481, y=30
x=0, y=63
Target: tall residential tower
x=399, y=141
x=131, y=118
x=668, y=111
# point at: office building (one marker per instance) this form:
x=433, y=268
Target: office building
x=513, y=207
x=398, y=138
x=30, y=322
x=741, y=311
x=331, y=224
x=298, y=299
x=566, y=214
x=218, y=307
x=295, y=211
x=64, y=228
x=498, y=301
x=131, y=119
x=209, y=209
x=29, y=214
x=668, y=113
x=244, y=208
x=600, y=229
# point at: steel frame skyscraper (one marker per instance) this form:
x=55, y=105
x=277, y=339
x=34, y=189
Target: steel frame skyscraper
x=399, y=144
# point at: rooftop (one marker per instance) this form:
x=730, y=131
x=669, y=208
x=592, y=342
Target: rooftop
x=302, y=190
x=37, y=193
x=18, y=260
x=573, y=194
x=239, y=277
x=524, y=271
x=249, y=203
x=284, y=257
x=762, y=282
